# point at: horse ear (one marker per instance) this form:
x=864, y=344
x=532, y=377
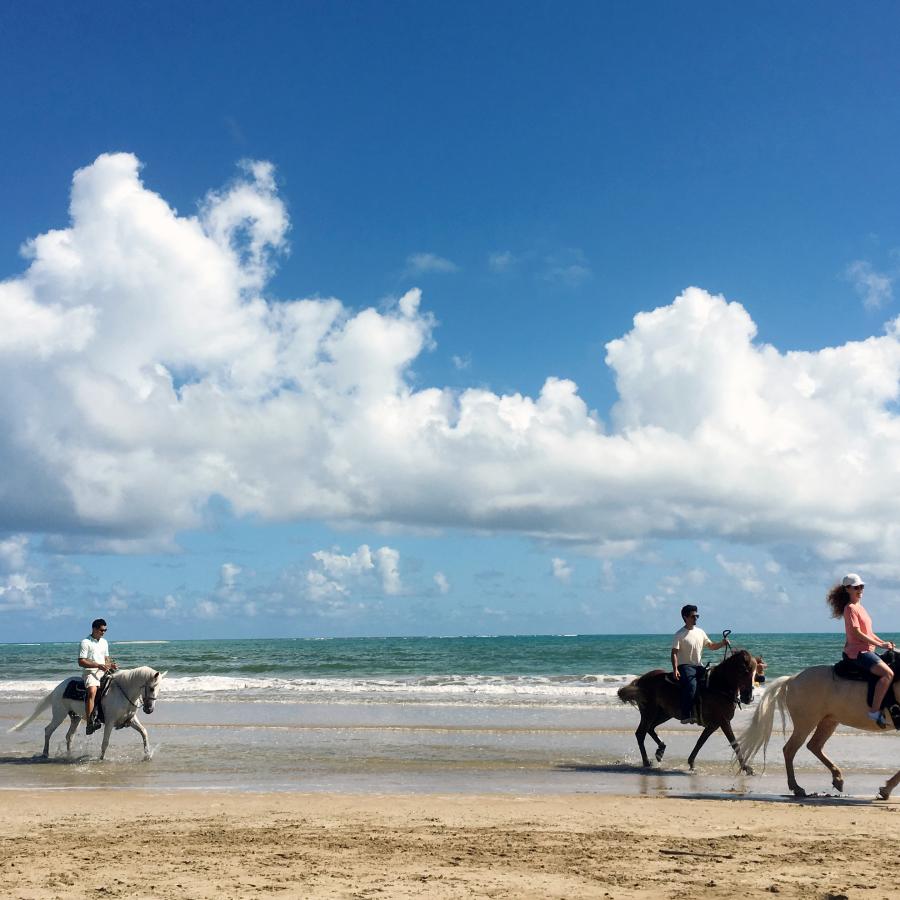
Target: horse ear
x=161, y=675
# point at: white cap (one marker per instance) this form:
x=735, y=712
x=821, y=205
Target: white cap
x=852, y=580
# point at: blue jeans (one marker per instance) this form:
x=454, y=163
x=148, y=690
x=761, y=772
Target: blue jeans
x=689, y=675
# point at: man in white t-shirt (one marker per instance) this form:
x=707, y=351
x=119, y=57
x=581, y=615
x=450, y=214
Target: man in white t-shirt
x=93, y=657
x=687, y=658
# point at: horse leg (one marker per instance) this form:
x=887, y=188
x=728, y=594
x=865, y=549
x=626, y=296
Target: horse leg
x=729, y=735
x=790, y=751
x=641, y=732
x=884, y=792
x=55, y=722
x=73, y=727
x=139, y=728
x=107, y=731
x=824, y=730
x=707, y=731
x=660, y=746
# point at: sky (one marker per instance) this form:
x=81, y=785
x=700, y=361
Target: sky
x=342, y=319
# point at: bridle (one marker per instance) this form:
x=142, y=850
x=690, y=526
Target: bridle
x=147, y=697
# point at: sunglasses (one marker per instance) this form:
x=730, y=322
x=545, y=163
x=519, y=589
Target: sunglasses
x=857, y=587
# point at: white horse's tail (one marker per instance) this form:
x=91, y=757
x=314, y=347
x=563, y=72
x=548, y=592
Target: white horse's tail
x=45, y=702
x=758, y=732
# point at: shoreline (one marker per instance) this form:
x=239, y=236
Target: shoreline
x=222, y=845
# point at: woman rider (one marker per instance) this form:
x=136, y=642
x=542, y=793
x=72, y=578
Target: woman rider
x=844, y=600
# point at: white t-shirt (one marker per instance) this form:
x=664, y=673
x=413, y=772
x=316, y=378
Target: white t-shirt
x=94, y=650
x=689, y=642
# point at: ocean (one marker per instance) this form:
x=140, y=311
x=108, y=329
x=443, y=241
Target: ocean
x=522, y=714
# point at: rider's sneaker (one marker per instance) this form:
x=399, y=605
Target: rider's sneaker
x=877, y=718
x=91, y=727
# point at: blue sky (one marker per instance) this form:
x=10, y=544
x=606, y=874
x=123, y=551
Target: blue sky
x=410, y=318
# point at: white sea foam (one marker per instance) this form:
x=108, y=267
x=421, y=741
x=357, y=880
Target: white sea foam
x=477, y=689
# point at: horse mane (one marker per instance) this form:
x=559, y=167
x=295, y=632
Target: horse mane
x=728, y=673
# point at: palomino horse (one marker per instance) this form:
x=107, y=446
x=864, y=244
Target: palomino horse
x=815, y=699
x=120, y=703
x=659, y=699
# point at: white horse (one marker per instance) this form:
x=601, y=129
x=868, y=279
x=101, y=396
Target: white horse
x=815, y=699
x=120, y=704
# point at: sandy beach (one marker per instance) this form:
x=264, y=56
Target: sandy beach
x=236, y=845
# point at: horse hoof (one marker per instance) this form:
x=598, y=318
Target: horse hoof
x=659, y=754
x=838, y=784
x=884, y=793
x=748, y=770
x=799, y=792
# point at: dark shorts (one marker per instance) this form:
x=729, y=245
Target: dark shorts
x=866, y=660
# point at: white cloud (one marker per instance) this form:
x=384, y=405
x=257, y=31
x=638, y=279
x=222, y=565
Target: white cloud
x=144, y=374
x=875, y=288
x=442, y=582
x=13, y=553
x=562, y=571
x=424, y=263
x=568, y=267
x=339, y=571
x=742, y=572
x=502, y=261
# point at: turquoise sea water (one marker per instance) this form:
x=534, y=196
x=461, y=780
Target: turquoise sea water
x=552, y=667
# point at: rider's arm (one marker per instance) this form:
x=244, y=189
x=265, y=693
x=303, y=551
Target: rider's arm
x=111, y=664
x=674, y=662
x=870, y=638
x=717, y=645
x=90, y=664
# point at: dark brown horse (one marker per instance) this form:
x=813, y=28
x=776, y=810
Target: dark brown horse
x=658, y=698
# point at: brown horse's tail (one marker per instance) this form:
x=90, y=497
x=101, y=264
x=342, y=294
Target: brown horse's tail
x=632, y=693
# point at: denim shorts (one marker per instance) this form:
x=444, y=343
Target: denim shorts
x=866, y=660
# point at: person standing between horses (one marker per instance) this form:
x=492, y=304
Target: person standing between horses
x=845, y=602
x=94, y=658
x=687, y=658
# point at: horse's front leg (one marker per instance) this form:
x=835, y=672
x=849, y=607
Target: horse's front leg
x=707, y=731
x=885, y=792
x=107, y=731
x=816, y=745
x=139, y=728
x=729, y=734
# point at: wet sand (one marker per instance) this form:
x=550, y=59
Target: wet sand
x=241, y=845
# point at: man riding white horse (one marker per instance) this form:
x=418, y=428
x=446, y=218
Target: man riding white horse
x=94, y=658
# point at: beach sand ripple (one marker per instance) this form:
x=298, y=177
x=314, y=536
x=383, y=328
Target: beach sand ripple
x=243, y=845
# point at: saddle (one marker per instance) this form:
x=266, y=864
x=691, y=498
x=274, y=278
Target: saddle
x=848, y=670
x=75, y=690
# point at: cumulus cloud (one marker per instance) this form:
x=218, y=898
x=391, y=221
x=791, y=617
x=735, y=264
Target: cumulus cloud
x=442, y=582
x=424, y=263
x=875, y=288
x=338, y=572
x=146, y=376
x=562, y=571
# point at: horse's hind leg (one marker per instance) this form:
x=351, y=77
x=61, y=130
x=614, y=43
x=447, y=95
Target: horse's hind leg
x=816, y=745
x=55, y=722
x=73, y=727
x=641, y=733
x=790, y=751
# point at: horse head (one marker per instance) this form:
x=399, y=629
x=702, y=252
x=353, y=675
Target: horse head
x=735, y=674
x=150, y=691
